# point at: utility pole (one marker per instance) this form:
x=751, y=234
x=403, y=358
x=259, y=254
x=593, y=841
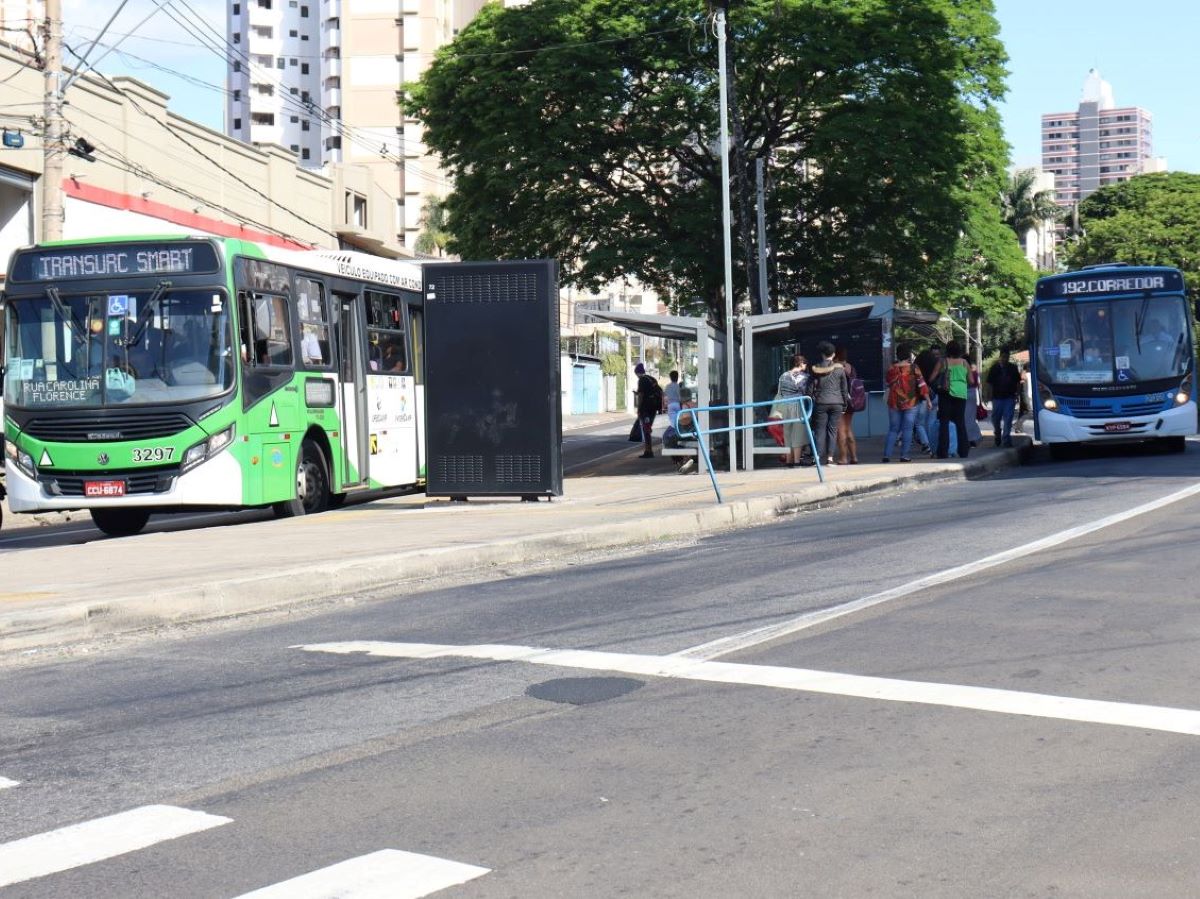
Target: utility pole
x=726, y=225
x=763, y=301
x=53, y=142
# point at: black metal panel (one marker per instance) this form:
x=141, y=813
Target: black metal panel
x=492, y=402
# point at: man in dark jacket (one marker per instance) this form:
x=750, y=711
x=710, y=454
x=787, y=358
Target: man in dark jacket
x=649, y=403
x=831, y=397
x=1005, y=382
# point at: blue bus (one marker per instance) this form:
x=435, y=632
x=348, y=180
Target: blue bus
x=1111, y=357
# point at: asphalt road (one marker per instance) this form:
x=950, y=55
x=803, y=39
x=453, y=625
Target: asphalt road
x=825, y=762
x=582, y=450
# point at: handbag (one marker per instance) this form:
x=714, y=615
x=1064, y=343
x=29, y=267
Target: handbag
x=635, y=433
x=981, y=412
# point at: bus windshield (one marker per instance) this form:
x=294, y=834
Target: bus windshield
x=147, y=346
x=1113, y=341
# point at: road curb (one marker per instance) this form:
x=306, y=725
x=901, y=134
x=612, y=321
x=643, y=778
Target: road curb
x=282, y=589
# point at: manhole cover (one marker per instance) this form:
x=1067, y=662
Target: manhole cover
x=583, y=690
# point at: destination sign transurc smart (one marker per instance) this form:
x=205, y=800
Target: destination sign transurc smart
x=115, y=261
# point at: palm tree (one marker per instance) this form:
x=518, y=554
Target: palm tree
x=1027, y=207
x=433, y=238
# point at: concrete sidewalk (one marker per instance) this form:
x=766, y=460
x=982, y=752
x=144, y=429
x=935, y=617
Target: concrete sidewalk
x=61, y=594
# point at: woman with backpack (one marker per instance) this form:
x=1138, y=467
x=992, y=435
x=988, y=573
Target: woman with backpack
x=831, y=397
x=907, y=396
x=847, y=446
x=951, y=376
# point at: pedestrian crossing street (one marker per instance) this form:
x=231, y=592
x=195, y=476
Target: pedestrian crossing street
x=389, y=873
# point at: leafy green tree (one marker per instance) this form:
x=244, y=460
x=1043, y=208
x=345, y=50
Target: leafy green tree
x=1025, y=206
x=587, y=130
x=1147, y=220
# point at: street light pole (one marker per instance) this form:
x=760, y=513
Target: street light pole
x=53, y=142
x=726, y=227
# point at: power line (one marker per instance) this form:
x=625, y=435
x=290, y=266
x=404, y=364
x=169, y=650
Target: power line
x=179, y=137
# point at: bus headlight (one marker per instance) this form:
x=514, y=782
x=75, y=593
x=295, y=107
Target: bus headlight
x=206, y=449
x=1049, y=403
x=21, y=459
x=1184, y=394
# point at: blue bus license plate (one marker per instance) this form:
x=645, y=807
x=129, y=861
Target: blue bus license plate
x=1117, y=426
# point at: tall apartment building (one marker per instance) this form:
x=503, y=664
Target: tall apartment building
x=1097, y=144
x=323, y=77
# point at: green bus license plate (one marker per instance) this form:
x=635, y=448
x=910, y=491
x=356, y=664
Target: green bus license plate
x=1117, y=425
x=103, y=488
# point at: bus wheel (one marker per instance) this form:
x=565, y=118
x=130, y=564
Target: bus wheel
x=120, y=522
x=1174, y=444
x=312, y=485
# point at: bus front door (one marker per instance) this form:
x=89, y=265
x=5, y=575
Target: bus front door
x=352, y=403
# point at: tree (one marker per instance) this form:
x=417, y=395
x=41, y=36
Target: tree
x=587, y=130
x=1147, y=220
x=1025, y=206
x=434, y=237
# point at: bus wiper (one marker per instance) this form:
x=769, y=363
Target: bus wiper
x=143, y=319
x=1078, y=322
x=1140, y=321
x=67, y=316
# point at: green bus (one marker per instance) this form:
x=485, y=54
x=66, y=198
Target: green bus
x=158, y=374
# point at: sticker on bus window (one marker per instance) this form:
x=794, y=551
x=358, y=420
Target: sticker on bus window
x=1122, y=362
x=114, y=327
x=1065, y=349
x=118, y=305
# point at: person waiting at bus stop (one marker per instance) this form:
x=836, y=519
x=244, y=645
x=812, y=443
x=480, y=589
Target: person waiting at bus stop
x=907, y=395
x=831, y=397
x=1005, y=383
x=951, y=375
x=649, y=403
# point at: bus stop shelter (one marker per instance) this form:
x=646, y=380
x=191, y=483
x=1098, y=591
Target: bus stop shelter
x=708, y=343
x=862, y=324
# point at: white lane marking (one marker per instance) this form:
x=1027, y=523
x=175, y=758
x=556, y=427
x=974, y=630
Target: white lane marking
x=736, y=642
x=96, y=840
x=387, y=874
x=5, y=783
x=985, y=699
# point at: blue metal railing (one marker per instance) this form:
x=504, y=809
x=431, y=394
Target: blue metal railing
x=804, y=403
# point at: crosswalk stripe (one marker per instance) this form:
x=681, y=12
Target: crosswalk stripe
x=987, y=699
x=98, y=839
x=386, y=874
x=5, y=783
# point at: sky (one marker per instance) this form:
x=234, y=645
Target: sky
x=1143, y=48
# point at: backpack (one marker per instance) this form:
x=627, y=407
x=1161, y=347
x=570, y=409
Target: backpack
x=858, y=395
x=652, y=397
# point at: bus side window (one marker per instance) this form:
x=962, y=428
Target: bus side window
x=271, y=333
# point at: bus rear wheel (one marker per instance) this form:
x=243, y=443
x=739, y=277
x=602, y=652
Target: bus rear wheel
x=120, y=522
x=312, y=484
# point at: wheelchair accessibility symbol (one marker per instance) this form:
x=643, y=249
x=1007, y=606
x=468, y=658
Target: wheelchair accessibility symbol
x=118, y=305
x=1123, y=376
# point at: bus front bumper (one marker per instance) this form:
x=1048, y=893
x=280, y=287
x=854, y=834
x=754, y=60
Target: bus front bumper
x=216, y=482
x=1054, y=427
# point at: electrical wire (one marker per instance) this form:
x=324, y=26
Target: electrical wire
x=199, y=152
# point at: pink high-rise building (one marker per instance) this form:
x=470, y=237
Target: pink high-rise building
x=1100, y=143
